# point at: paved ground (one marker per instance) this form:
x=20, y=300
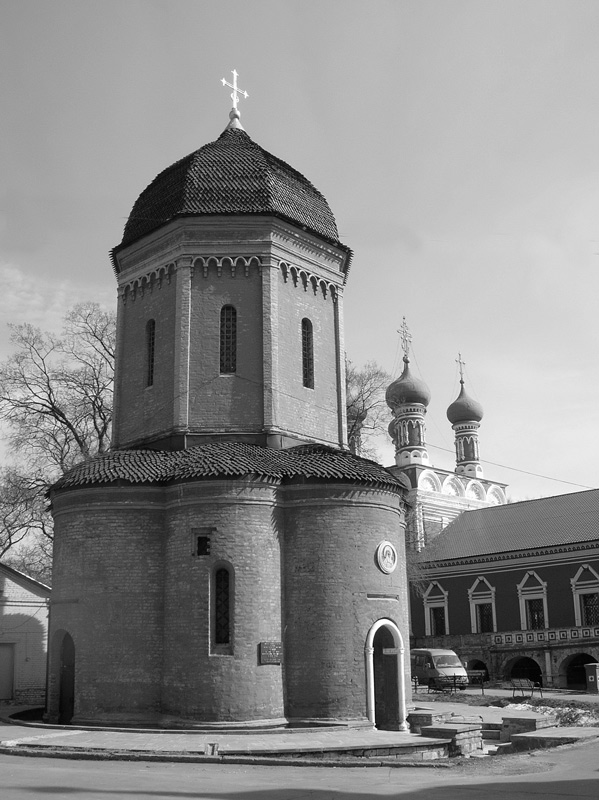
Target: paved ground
x=119, y=743
x=568, y=773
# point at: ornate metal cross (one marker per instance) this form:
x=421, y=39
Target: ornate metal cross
x=461, y=364
x=236, y=90
x=406, y=337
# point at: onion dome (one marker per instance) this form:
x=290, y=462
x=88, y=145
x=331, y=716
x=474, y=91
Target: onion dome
x=230, y=176
x=407, y=389
x=464, y=409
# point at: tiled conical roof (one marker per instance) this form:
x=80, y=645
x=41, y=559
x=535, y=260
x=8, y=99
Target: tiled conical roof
x=232, y=175
x=227, y=459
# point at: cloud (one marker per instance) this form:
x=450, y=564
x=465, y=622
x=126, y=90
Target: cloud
x=40, y=301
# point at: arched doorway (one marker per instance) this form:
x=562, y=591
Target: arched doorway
x=386, y=698
x=526, y=668
x=66, y=695
x=575, y=672
x=385, y=683
x=478, y=666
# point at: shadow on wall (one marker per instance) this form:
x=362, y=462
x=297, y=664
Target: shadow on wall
x=23, y=656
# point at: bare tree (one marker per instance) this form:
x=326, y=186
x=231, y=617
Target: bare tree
x=367, y=411
x=56, y=406
x=33, y=557
x=22, y=508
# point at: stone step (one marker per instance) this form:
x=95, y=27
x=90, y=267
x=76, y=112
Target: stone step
x=499, y=748
x=490, y=733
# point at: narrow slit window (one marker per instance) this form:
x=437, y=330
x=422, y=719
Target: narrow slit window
x=228, y=340
x=307, y=354
x=150, y=351
x=222, y=607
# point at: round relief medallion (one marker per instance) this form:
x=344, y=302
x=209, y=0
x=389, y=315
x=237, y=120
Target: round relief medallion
x=386, y=557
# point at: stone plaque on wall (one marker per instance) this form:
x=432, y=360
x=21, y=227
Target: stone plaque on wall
x=271, y=652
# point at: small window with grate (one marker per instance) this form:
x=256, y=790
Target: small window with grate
x=438, y=621
x=535, y=614
x=484, y=617
x=228, y=340
x=150, y=351
x=307, y=354
x=590, y=608
x=200, y=541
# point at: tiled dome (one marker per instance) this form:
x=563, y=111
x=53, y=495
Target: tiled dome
x=464, y=409
x=232, y=175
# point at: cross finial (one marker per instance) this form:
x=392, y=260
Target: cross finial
x=461, y=364
x=406, y=338
x=236, y=90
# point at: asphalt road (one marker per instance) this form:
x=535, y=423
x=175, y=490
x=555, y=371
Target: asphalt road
x=566, y=772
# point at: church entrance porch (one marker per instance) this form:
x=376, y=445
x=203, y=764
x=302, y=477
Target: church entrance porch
x=385, y=680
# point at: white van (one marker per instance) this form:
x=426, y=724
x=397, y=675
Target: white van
x=438, y=668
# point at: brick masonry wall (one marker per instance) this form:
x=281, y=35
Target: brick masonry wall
x=108, y=595
x=240, y=518
x=146, y=411
x=330, y=588
x=309, y=412
x=136, y=598
x=234, y=402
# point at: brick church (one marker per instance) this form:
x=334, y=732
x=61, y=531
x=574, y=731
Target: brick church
x=229, y=561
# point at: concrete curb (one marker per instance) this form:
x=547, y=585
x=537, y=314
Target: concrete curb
x=40, y=751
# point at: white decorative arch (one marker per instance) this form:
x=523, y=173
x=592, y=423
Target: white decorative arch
x=496, y=496
x=453, y=486
x=401, y=687
x=428, y=481
x=475, y=490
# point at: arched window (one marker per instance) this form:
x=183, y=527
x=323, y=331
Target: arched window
x=228, y=340
x=222, y=610
x=150, y=351
x=307, y=354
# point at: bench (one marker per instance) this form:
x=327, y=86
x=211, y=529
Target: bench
x=444, y=683
x=525, y=685
x=477, y=676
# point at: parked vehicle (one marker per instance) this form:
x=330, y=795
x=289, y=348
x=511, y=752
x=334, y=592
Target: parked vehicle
x=438, y=668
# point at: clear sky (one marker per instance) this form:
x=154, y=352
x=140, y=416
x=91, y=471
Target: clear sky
x=457, y=142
